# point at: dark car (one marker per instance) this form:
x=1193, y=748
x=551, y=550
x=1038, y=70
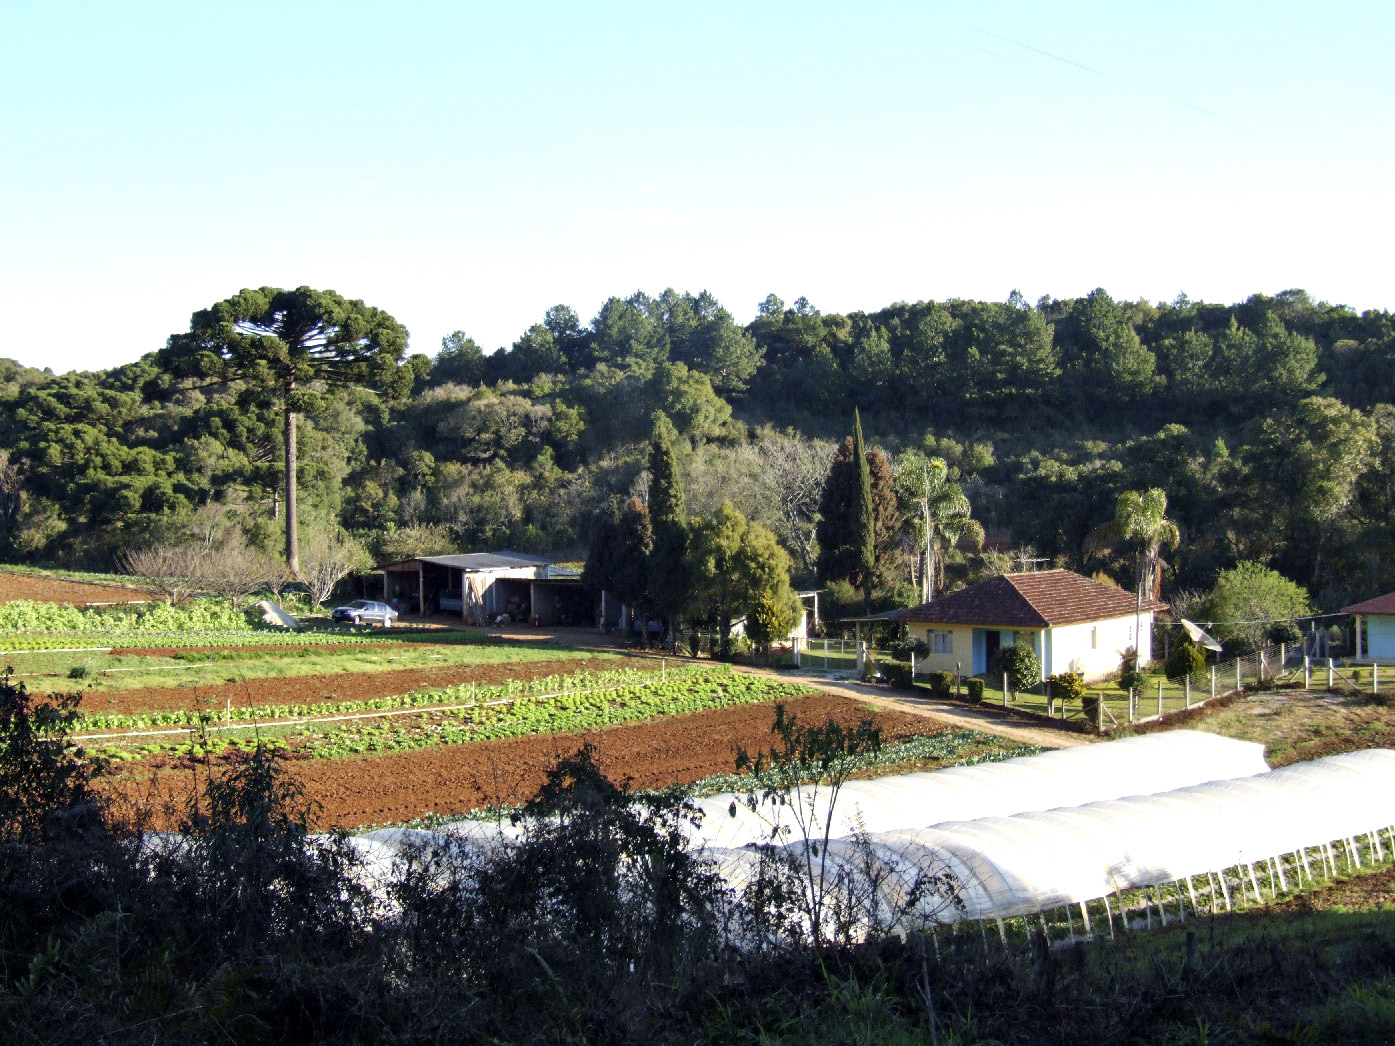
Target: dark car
x=365, y=612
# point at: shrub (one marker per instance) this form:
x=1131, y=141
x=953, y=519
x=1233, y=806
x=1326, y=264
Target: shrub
x=1090, y=705
x=898, y=674
x=1068, y=686
x=1019, y=663
x=902, y=649
x=975, y=688
x=1130, y=678
x=941, y=683
x=1187, y=659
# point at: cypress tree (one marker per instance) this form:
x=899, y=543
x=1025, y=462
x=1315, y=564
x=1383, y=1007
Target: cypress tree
x=863, y=515
x=668, y=574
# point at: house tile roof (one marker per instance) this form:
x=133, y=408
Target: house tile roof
x=1040, y=599
x=1380, y=605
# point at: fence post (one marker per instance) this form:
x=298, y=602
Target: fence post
x=1239, y=685
x=1099, y=714
x=1132, y=699
x=912, y=666
x=1262, y=667
x=1004, y=689
x=1330, y=680
x=1307, y=672
x=1375, y=679
x=1187, y=691
x=1213, y=681
x=1159, y=698
x=1283, y=655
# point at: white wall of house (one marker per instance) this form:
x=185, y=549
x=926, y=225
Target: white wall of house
x=1380, y=636
x=1096, y=648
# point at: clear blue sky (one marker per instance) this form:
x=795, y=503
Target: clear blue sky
x=467, y=165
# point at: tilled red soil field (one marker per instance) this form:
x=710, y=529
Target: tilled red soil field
x=343, y=686
x=352, y=793
x=51, y=590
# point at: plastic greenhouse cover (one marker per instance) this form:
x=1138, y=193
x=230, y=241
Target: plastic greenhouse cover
x=1065, y=777
x=1036, y=861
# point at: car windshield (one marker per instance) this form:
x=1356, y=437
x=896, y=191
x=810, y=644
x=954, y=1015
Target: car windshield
x=360, y=604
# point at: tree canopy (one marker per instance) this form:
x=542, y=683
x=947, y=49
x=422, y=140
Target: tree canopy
x=285, y=346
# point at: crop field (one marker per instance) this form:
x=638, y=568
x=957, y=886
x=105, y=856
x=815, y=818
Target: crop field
x=385, y=727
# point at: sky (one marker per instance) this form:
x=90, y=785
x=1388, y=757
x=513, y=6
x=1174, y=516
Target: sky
x=466, y=166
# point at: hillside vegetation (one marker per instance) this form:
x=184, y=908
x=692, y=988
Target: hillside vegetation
x=1267, y=423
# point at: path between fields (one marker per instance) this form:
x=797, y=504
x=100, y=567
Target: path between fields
x=963, y=717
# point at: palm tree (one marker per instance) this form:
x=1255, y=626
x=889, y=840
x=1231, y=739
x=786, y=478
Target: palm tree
x=941, y=516
x=1142, y=518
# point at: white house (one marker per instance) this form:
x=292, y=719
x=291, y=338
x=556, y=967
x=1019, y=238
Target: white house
x=1376, y=642
x=1072, y=623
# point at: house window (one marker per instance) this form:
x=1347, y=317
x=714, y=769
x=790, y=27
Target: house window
x=941, y=642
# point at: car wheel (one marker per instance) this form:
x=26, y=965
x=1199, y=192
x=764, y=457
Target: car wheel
x=356, y=620
x=387, y=622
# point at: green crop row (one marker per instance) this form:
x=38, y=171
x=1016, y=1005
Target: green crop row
x=567, y=713
x=213, y=638
x=464, y=693
x=570, y=714
x=155, y=618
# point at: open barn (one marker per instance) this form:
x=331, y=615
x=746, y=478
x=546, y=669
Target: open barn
x=486, y=588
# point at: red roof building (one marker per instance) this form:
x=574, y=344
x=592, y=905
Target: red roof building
x=1072, y=622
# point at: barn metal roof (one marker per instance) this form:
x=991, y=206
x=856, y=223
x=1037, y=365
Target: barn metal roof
x=478, y=561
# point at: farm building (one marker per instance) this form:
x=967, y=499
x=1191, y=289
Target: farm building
x=1375, y=642
x=486, y=587
x=1072, y=623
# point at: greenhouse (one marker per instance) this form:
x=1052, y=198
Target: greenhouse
x=1065, y=777
x=1247, y=834
x=1041, y=837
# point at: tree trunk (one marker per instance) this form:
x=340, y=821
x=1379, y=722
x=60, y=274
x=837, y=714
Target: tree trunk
x=292, y=536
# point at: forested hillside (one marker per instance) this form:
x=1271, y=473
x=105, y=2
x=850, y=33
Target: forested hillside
x=1269, y=424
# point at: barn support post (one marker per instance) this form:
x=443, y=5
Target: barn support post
x=421, y=589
